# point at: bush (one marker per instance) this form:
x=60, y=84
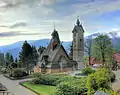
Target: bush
x=98, y=80
x=87, y=71
x=45, y=79
x=36, y=75
x=18, y=72
x=72, y=87
x=4, y=70
x=35, y=81
x=112, y=76
x=50, y=79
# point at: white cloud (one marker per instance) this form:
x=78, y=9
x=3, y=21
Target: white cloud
x=40, y=17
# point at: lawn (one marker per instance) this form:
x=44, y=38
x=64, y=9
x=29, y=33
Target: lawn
x=41, y=89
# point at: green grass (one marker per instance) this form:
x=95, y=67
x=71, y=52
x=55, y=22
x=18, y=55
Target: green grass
x=41, y=89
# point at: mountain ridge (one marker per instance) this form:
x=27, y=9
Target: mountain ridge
x=15, y=48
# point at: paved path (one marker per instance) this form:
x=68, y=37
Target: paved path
x=14, y=87
x=116, y=84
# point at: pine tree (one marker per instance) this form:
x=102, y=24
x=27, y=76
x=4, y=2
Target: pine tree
x=41, y=49
x=11, y=59
x=16, y=60
x=26, y=55
x=35, y=55
x=2, y=59
x=7, y=58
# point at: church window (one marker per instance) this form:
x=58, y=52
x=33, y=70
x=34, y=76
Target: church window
x=81, y=44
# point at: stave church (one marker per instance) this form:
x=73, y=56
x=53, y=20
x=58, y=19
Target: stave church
x=55, y=59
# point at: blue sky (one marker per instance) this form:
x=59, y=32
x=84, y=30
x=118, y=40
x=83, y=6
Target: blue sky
x=34, y=19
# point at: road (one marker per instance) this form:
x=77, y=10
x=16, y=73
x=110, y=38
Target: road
x=116, y=84
x=14, y=87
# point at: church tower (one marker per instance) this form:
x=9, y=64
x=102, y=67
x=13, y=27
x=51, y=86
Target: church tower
x=78, y=44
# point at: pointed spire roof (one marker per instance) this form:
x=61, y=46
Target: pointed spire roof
x=55, y=35
x=78, y=22
x=77, y=26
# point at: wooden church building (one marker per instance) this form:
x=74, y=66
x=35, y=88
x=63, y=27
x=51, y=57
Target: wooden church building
x=55, y=59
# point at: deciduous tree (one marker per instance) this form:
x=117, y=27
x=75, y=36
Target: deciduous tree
x=103, y=48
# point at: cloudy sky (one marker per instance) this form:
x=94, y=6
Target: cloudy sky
x=34, y=19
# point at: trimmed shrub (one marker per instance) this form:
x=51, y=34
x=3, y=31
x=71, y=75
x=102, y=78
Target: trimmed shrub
x=87, y=71
x=72, y=87
x=51, y=79
x=35, y=81
x=36, y=75
x=18, y=72
x=112, y=76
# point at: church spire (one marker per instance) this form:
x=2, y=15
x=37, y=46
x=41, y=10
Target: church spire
x=78, y=21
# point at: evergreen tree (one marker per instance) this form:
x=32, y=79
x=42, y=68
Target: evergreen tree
x=7, y=58
x=41, y=49
x=2, y=59
x=16, y=60
x=11, y=59
x=26, y=55
x=35, y=55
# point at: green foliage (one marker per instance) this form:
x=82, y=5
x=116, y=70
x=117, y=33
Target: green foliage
x=25, y=52
x=103, y=48
x=11, y=59
x=7, y=56
x=87, y=71
x=72, y=87
x=40, y=89
x=2, y=59
x=16, y=60
x=41, y=49
x=66, y=85
x=86, y=60
x=26, y=55
x=50, y=79
x=91, y=84
x=112, y=76
x=99, y=80
x=34, y=55
x=18, y=72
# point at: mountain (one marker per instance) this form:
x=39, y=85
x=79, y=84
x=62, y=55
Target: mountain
x=116, y=43
x=15, y=48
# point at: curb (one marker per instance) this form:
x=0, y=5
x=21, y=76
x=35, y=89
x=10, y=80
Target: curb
x=16, y=78
x=21, y=83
